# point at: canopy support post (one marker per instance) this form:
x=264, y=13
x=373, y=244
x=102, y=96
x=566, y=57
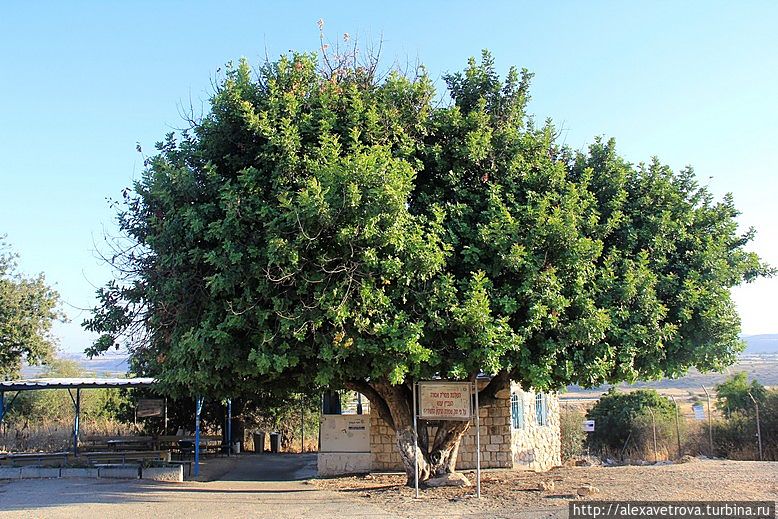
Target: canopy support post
x=76, y=421
x=5, y=408
x=198, y=410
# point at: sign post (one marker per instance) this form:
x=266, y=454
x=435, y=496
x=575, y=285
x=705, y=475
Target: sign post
x=440, y=400
x=477, y=443
x=710, y=423
x=415, y=446
x=588, y=427
x=445, y=401
x=699, y=412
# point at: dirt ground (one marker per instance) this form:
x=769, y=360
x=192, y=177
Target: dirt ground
x=249, y=486
x=516, y=494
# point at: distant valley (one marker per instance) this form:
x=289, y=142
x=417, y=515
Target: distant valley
x=759, y=360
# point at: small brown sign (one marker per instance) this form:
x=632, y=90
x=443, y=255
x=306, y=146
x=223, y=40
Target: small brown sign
x=150, y=407
x=445, y=401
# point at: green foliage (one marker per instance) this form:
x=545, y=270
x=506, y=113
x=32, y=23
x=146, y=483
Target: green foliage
x=734, y=395
x=322, y=226
x=735, y=436
x=27, y=309
x=621, y=417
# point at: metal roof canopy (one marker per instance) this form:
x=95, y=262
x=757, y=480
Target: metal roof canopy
x=66, y=383
x=73, y=383
x=100, y=383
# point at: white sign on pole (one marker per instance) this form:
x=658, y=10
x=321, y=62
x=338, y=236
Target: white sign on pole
x=699, y=412
x=588, y=425
x=445, y=401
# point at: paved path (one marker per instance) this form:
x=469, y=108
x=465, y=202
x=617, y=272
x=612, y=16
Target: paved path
x=266, y=467
x=249, y=487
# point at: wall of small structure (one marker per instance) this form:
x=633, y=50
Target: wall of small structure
x=531, y=447
x=344, y=444
x=536, y=446
x=495, y=440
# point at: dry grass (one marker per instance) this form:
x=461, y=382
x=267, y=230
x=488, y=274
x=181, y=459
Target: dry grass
x=54, y=435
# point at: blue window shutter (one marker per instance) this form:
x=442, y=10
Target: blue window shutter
x=540, y=409
x=517, y=411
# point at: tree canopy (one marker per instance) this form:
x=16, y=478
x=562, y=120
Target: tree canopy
x=28, y=308
x=329, y=224
x=737, y=395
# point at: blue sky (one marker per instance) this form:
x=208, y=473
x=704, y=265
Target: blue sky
x=82, y=82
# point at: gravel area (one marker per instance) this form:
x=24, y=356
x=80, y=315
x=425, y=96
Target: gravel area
x=517, y=494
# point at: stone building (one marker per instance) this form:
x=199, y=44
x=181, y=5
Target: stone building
x=520, y=430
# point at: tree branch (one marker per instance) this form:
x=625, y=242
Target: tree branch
x=377, y=402
x=487, y=395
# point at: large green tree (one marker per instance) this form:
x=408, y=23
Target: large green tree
x=324, y=224
x=28, y=307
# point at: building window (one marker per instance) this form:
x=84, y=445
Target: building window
x=541, y=409
x=517, y=411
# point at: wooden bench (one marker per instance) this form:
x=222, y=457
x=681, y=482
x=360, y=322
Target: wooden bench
x=124, y=457
x=44, y=459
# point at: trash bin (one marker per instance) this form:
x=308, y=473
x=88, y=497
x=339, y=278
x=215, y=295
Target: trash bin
x=274, y=437
x=259, y=442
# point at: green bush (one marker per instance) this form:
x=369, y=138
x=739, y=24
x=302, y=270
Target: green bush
x=735, y=395
x=735, y=436
x=623, y=420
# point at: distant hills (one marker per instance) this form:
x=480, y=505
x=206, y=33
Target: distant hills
x=117, y=363
x=108, y=365
x=767, y=343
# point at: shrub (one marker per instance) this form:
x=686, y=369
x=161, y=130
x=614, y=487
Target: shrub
x=623, y=420
x=572, y=433
x=735, y=437
x=735, y=394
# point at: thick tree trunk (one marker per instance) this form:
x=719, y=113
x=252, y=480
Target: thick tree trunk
x=436, y=456
x=434, y=460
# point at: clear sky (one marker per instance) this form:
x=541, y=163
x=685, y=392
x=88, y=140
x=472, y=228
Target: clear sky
x=82, y=82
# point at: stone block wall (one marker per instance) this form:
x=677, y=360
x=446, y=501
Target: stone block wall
x=534, y=446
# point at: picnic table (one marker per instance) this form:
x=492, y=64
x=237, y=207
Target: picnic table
x=208, y=443
x=205, y=440
x=105, y=443
x=130, y=442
